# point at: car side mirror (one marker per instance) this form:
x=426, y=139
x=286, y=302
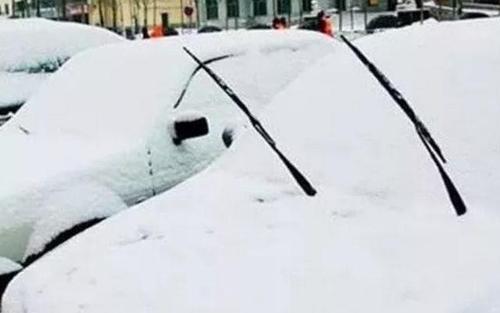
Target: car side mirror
x=188, y=125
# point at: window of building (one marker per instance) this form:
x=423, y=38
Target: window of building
x=284, y=7
x=259, y=7
x=19, y=6
x=307, y=5
x=233, y=8
x=212, y=10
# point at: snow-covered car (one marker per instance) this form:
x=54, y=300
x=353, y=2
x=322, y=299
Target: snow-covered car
x=32, y=49
x=111, y=128
x=379, y=236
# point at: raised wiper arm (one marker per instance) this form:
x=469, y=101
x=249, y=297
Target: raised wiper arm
x=430, y=145
x=297, y=175
x=398, y=98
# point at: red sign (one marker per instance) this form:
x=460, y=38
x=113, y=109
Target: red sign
x=188, y=10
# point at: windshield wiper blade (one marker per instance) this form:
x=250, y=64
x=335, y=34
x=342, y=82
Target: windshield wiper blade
x=297, y=175
x=453, y=194
x=430, y=145
x=193, y=74
x=396, y=95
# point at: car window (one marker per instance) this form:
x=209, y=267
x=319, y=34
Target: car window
x=47, y=66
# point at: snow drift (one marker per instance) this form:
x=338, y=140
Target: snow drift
x=31, y=49
x=71, y=160
x=380, y=236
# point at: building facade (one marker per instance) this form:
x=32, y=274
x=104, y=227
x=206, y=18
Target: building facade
x=113, y=14
x=245, y=13
x=5, y=8
x=135, y=14
x=50, y=9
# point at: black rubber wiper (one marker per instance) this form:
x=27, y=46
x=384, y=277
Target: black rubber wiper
x=193, y=74
x=297, y=175
x=398, y=98
x=430, y=144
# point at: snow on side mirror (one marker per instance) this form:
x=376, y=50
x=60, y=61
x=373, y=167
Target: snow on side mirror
x=188, y=125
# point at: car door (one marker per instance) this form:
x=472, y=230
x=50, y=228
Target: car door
x=172, y=162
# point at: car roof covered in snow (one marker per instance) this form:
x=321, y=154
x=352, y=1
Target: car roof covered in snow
x=119, y=91
x=31, y=49
x=27, y=43
x=379, y=236
x=112, y=100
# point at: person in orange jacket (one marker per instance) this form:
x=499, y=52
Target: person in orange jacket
x=325, y=24
x=157, y=32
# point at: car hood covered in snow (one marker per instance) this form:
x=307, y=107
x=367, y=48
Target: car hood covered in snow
x=380, y=236
x=32, y=48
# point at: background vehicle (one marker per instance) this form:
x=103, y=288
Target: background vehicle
x=32, y=49
x=259, y=27
x=209, y=29
x=379, y=236
x=68, y=163
x=473, y=15
x=382, y=22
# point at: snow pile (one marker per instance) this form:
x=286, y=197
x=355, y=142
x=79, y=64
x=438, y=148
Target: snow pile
x=99, y=203
x=32, y=48
x=110, y=144
x=27, y=43
x=16, y=88
x=132, y=84
x=380, y=236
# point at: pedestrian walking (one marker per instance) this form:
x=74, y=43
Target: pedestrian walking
x=325, y=24
x=145, y=33
x=276, y=22
x=283, y=23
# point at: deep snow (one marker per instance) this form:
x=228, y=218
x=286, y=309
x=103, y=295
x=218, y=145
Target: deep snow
x=380, y=236
x=29, y=47
x=67, y=160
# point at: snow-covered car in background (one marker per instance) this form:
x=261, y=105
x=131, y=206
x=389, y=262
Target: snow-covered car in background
x=379, y=236
x=68, y=162
x=32, y=49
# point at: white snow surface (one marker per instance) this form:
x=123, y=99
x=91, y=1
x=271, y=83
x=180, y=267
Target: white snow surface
x=26, y=44
x=16, y=88
x=110, y=144
x=29, y=42
x=380, y=236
